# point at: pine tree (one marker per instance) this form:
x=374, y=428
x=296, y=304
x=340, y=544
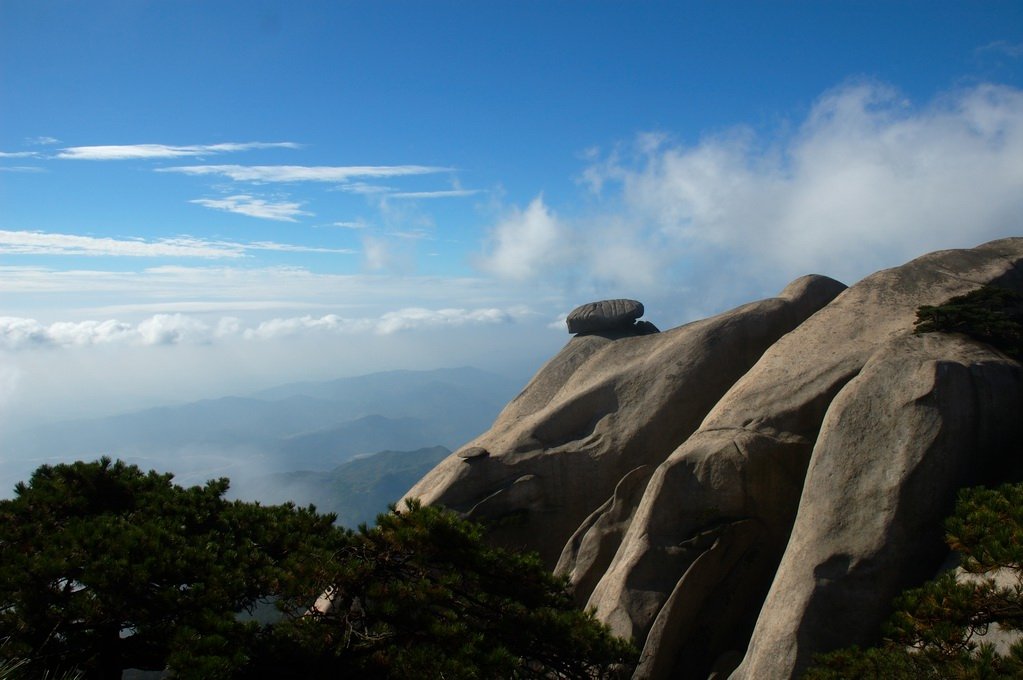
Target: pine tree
x=934, y=630
x=991, y=314
x=104, y=567
x=422, y=595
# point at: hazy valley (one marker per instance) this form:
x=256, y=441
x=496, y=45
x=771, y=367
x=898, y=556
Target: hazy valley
x=362, y=440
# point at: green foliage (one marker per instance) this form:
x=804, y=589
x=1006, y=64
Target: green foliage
x=990, y=314
x=421, y=595
x=933, y=632
x=104, y=567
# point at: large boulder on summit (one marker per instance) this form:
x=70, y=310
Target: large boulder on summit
x=741, y=492
x=606, y=315
x=605, y=405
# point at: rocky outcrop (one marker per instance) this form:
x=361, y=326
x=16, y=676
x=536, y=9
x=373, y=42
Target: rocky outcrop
x=605, y=405
x=741, y=492
x=606, y=315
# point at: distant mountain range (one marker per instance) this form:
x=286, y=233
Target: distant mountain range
x=308, y=426
x=356, y=491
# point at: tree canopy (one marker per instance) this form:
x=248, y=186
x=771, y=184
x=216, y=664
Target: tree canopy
x=990, y=314
x=422, y=595
x=104, y=567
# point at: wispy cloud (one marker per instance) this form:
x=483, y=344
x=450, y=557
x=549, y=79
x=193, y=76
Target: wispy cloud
x=43, y=243
x=450, y=193
x=42, y=141
x=24, y=288
x=350, y=224
x=20, y=168
x=1002, y=47
x=304, y=173
x=413, y=234
x=406, y=319
x=291, y=248
x=18, y=154
x=244, y=204
x=154, y=151
x=364, y=188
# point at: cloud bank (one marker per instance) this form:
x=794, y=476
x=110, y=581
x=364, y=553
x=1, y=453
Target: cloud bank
x=18, y=333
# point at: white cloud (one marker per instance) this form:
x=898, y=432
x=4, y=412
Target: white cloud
x=413, y=235
x=867, y=180
x=407, y=319
x=526, y=243
x=152, y=151
x=66, y=333
x=1003, y=47
x=20, y=168
x=21, y=333
x=18, y=154
x=220, y=283
x=303, y=173
x=450, y=193
x=376, y=254
x=18, y=333
x=364, y=188
x=42, y=243
x=417, y=317
x=291, y=248
x=173, y=329
x=351, y=224
x=244, y=204
x=160, y=329
x=42, y=141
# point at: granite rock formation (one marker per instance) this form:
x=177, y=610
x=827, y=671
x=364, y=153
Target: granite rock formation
x=741, y=492
x=608, y=315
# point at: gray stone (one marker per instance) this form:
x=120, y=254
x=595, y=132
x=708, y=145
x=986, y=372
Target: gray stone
x=606, y=315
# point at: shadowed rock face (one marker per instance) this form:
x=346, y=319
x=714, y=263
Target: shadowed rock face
x=666, y=473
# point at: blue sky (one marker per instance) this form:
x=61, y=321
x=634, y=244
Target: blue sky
x=198, y=198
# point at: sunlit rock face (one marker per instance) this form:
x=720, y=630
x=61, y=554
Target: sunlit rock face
x=744, y=491
x=608, y=403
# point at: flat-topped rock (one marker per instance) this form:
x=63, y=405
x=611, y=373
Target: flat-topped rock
x=605, y=315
